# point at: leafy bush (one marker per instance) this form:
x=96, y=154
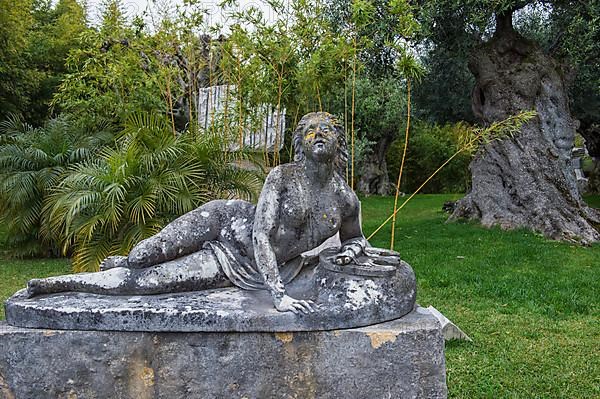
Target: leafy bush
x=32, y=162
x=110, y=77
x=429, y=146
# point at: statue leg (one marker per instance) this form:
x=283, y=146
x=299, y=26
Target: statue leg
x=194, y=272
x=109, y=281
x=181, y=237
x=113, y=261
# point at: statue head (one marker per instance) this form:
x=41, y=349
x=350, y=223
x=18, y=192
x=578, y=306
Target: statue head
x=321, y=136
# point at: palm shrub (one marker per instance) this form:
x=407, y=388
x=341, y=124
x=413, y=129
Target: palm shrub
x=32, y=162
x=107, y=205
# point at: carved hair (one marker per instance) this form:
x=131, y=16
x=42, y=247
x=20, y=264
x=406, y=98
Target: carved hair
x=341, y=160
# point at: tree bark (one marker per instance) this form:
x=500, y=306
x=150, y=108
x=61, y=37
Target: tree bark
x=526, y=180
x=591, y=134
x=374, y=177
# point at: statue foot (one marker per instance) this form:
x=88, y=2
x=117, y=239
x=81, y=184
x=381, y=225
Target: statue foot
x=34, y=287
x=113, y=261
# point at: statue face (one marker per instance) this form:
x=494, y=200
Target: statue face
x=320, y=140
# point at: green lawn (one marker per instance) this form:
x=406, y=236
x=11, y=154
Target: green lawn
x=532, y=306
x=14, y=274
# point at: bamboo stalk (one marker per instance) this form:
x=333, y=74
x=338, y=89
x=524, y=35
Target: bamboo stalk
x=319, y=98
x=190, y=73
x=170, y=100
x=240, y=101
x=277, y=133
x=195, y=87
x=346, y=109
x=352, y=115
x=226, y=108
x=210, y=85
x=190, y=91
x=401, y=163
x=265, y=147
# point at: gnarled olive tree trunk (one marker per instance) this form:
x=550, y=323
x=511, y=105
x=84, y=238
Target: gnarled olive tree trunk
x=373, y=172
x=527, y=180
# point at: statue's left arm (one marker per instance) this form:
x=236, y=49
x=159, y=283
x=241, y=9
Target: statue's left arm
x=351, y=235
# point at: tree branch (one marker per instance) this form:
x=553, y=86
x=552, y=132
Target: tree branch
x=504, y=22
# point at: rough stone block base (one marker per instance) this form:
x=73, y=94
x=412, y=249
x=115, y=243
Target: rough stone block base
x=403, y=358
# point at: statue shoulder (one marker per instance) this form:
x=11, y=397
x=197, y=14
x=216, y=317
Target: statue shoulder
x=279, y=179
x=350, y=201
x=282, y=172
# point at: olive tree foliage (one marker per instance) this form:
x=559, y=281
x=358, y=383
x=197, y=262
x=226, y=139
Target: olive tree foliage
x=35, y=37
x=112, y=73
x=526, y=180
x=444, y=93
x=381, y=34
x=577, y=38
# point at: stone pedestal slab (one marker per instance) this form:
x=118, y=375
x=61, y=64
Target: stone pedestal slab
x=402, y=358
x=345, y=301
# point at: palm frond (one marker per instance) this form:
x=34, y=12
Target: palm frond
x=88, y=254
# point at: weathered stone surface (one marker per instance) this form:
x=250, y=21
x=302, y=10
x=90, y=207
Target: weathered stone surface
x=223, y=243
x=403, y=358
x=345, y=301
x=449, y=329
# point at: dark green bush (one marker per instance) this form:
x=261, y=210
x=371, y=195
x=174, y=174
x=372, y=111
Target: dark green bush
x=429, y=146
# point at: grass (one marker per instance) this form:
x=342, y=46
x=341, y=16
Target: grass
x=593, y=200
x=14, y=274
x=532, y=306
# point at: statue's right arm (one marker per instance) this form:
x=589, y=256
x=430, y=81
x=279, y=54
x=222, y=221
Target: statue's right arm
x=266, y=223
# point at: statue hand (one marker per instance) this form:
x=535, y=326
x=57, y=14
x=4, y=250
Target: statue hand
x=344, y=257
x=287, y=303
x=349, y=253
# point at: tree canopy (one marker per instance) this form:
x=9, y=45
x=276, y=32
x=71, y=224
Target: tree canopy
x=567, y=30
x=35, y=38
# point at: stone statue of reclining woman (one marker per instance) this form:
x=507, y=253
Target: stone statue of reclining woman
x=223, y=242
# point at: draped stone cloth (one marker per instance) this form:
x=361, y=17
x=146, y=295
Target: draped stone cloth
x=242, y=273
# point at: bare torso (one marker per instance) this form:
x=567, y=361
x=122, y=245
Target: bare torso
x=306, y=218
